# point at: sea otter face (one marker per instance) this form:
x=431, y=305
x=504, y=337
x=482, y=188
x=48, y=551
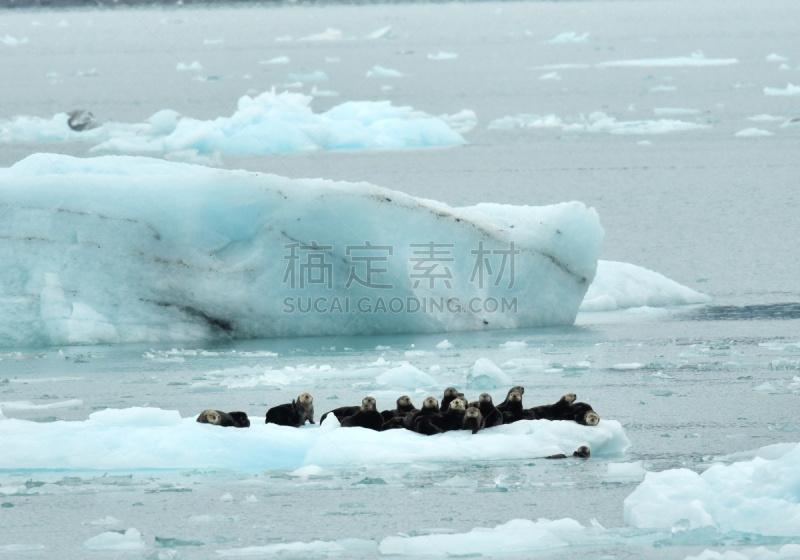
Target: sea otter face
x=457, y=404
x=430, y=402
x=464, y=402
x=213, y=417
x=591, y=418
x=583, y=451
x=450, y=392
x=305, y=399
x=485, y=398
x=368, y=403
x=405, y=400
x=514, y=397
x=570, y=397
x=518, y=389
x=473, y=412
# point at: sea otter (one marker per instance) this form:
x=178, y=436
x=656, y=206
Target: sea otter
x=292, y=414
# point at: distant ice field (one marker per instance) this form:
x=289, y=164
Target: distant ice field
x=676, y=122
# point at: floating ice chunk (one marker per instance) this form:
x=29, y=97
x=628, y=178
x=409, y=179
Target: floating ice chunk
x=324, y=93
x=441, y=55
x=621, y=285
x=181, y=67
x=764, y=118
x=107, y=520
x=758, y=496
x=381, y=72
x=526, y=121
x=486, y=375
x=696, y=60
x=332, y=59
x=275, y=60
x=787, y=551
x=136, y=438
x=628, y=366
x=673, y=111
x=283, y=39
x=212, y=41
x=240, y=246
x=663, y=87
x=329, y=34
x=513, y=344
x=462, y=122
x=633, y=470
x=784, y=67
x=789, y=90
x=753, y=132
x=62, y=23
x=308, y=471
x=458, y=482
x=568, y=37
x=379, y=33
x=776, y=58
x=316, y=76
x=550, y=76
x=114, y=540
x=765, y=388
x=444, y=345
x=13, y=41
x=226, y=497
x=28, y=405
x=12, y=548
x=596, y=122
x=566, y=66
x=406, y=376
x=284, y=549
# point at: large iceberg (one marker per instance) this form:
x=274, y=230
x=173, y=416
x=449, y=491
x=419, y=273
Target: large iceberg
x=760, y=496
x=126, y=249
x=267, y=123
x=152, y=438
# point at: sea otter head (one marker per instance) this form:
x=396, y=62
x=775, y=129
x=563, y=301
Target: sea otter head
x=430, y=402
x=212, y=416
x=457, y=404
x=473, y=412
x=463, y=401
x=518, y=389
x=450, y=392
x=583, y=452
x=515, y=397
x=305, y=400
x=591, y=418
x=368, y=403
x=569, y=397
x=485, y=398
x=404, y=402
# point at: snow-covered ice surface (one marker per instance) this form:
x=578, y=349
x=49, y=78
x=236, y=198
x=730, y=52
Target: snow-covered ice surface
x=703, y=387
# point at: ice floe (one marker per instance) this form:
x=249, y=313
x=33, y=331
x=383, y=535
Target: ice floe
x=565, y=66
x=462, y=122
x=316, y=76
x=110, y=245
x=381, y=72
x=14, y=406
x=275, y=60
x=568, y=37
x=673, y=111
x=764, y=118
x=381, y=33
x=776, y=58
x=13, y=41
x=552, y=76
x=150, y=438
x=595, y=122
x=788, y=90
x=442, y=55
x=116, y=540
x=787, y=551
x=182, y=67
x=698, y=59
x=267, y=123
x=622, y=285
x=753, y=132
x=759, y=496
x=329, y=34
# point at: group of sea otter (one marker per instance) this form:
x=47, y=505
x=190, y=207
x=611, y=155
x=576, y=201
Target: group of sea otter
x=455, y=413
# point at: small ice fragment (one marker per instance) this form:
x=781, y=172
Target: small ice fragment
x=212, y=41
x=307, y=471
x=444, y=345
x=442, y=55
x=275, y=60
x=462, y=122
x=332, y=59
x=513, y=344
x=777, y=58
x=568, y=37
x=764, y=118
x=195, y=65
x=789, y=90
x=114, y=540
x=329, y=34
x=753, y=132
x=316, y=76
x=633, y=470
x=108, y=520
x=663, y=87
x=13, y=41
x=628, y=366
x=226, y=497
x=484, y=374
x=379, y=33
x=381, y=72
x=251, y=499
x=552, y=76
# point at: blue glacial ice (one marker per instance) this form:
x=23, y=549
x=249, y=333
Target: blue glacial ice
x=595, y=122
x=760, y=496
x=697, y=59
x=267, y=123
x=126, y=249
x=152, y=438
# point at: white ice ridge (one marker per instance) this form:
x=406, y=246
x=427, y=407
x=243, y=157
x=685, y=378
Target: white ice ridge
x=151, y=250
x=760, y=496
x=696, y=60
x=267, y=123
x=787, y=552
x=152, y=438
x=595, y=122
x=622, y=286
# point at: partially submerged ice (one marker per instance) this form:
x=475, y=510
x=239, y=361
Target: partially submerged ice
x=152, y=438
x=760, y=496
x=267, y=123
x=127, y=249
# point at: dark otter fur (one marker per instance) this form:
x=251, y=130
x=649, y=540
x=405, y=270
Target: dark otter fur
x=513, y=411
x=292, y=414
x=473, y=420
x=404, y=406
x=503, y=406
x=491, y=416
x=557, y=411
x=582, y=453
x=225, y=419
x=344, y=411
x=367, y=417
x=429, y=407
x=449, y=395
x=81, y=119
x=443, y=422
x=584, y=414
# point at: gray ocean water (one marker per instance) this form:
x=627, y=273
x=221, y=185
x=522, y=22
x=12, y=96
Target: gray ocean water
x=714, y=211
